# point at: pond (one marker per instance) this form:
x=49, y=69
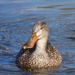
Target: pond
x=16, y=21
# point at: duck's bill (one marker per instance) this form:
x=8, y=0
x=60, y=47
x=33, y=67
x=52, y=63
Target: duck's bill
x=31, y=42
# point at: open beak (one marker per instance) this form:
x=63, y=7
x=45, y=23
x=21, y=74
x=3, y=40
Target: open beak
x=31, y=42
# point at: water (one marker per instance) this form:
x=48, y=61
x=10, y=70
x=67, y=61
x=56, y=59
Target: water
x=16, y=21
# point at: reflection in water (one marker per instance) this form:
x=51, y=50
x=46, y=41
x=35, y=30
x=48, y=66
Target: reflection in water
x=2, y=48
x=53, y=6
x=66, y=15
x=67, y=8
x=72, y=38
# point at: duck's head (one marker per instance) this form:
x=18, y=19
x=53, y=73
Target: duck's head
x=40, y=31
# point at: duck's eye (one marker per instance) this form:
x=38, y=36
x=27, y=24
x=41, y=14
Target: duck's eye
x=41, y=27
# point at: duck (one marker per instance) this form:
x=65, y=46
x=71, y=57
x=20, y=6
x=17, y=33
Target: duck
x=37, y=54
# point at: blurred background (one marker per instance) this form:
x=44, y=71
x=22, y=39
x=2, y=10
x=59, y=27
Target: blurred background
x=16, y=22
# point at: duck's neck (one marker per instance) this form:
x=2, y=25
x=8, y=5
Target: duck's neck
x=41, y=44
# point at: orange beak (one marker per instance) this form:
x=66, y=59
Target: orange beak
x=31, y=42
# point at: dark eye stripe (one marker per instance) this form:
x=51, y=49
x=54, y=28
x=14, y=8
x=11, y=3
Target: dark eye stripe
x=43, y=27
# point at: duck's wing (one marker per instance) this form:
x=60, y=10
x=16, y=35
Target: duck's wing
x=53, y=54
x=52, y=51
x=50, y=47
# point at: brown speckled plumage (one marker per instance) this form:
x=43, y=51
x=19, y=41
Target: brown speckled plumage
x=38, y=58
